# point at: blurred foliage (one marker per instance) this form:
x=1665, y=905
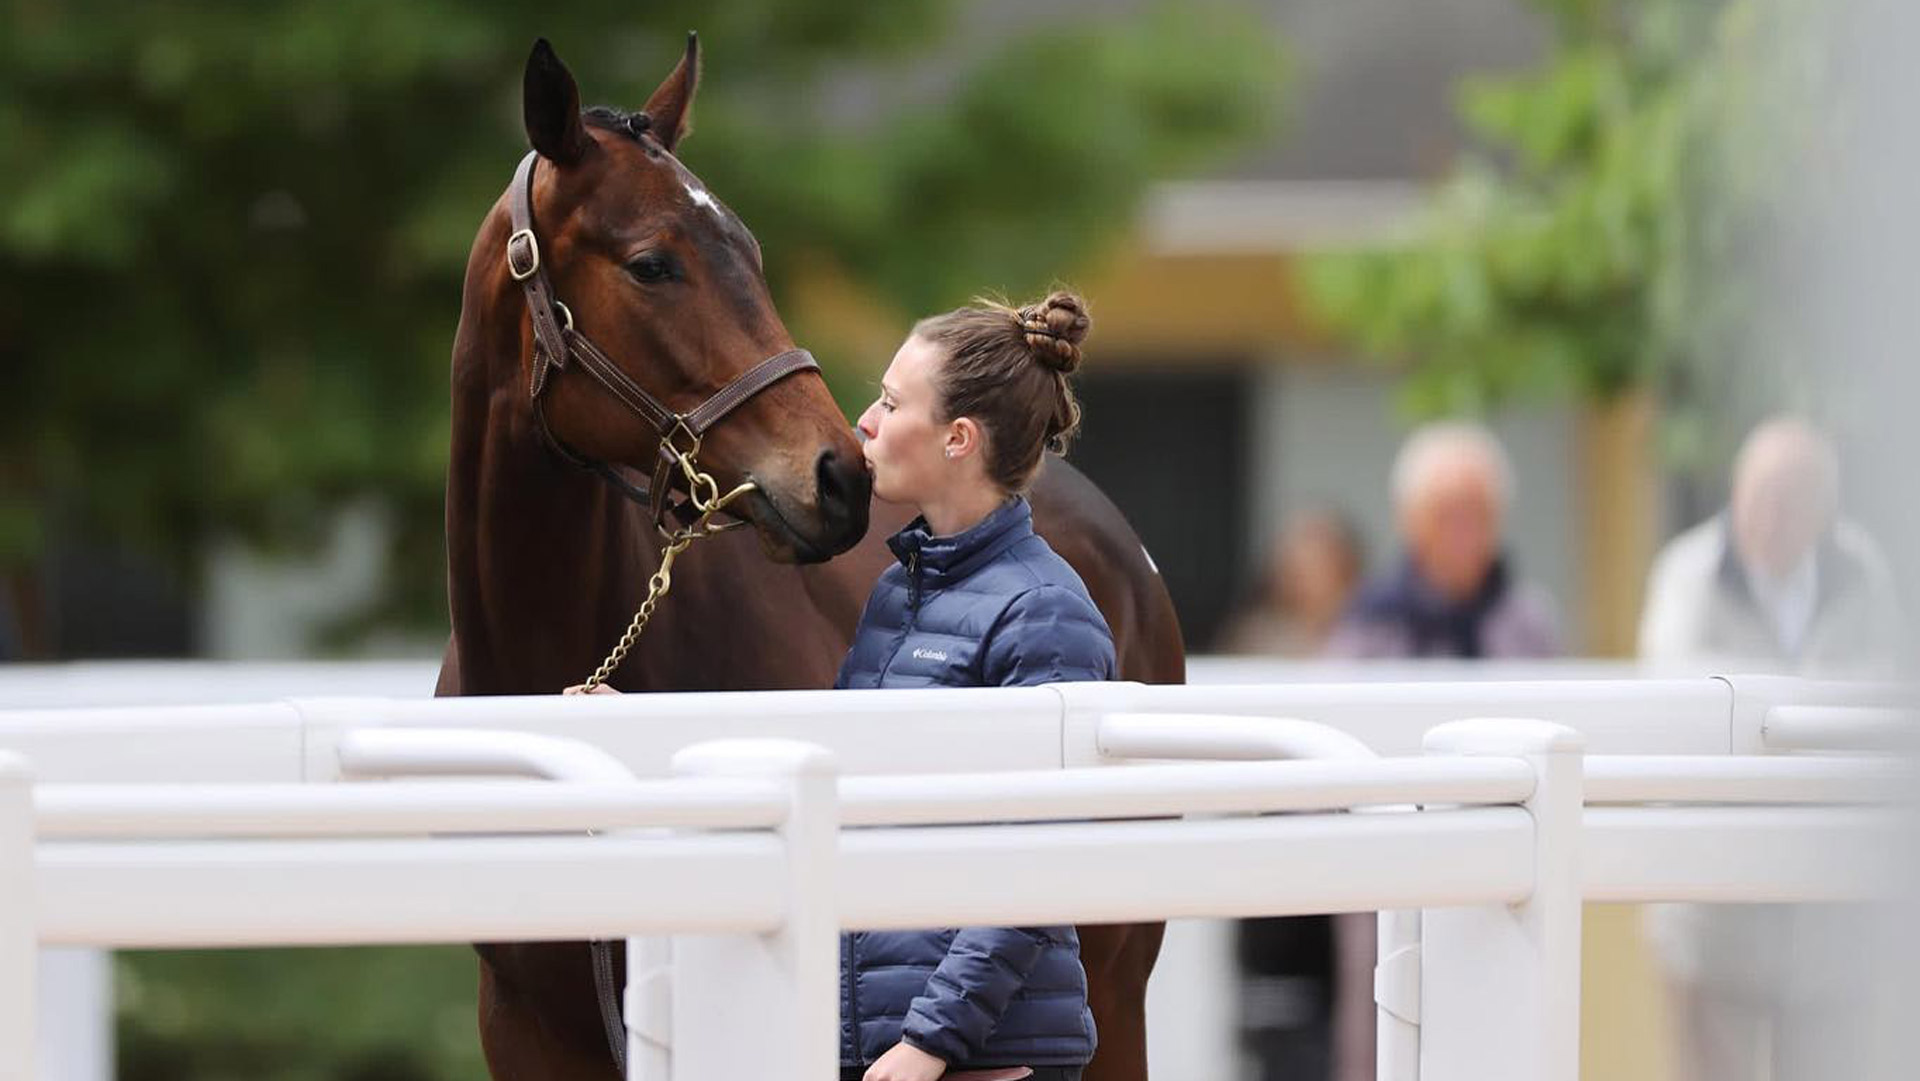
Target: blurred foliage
x=384, y=1014
x=1626, y=224
x=233, y=236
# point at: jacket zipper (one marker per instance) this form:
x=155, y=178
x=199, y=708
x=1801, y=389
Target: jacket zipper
x=913, y=586
x=913, y=609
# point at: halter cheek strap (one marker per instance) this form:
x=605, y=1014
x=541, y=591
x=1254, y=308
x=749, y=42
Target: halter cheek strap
x=557, y=342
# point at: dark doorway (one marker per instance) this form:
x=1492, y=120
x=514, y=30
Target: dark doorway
x=1171, y=449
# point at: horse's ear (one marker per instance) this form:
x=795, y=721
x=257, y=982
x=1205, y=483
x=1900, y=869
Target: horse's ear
x=671, y=107
x=551, y=101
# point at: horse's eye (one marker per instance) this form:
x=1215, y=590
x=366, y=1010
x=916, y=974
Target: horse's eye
x=651, y=267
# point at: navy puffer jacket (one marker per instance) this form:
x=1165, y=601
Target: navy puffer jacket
x=993, y=606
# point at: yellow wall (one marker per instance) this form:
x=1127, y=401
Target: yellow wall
x=1620, y=513
x=1625, y=1024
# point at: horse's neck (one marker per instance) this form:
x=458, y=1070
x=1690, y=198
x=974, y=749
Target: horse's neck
x=542, y=557
x=547, y=565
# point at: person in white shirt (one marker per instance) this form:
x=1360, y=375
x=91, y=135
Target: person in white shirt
x=1778, y=582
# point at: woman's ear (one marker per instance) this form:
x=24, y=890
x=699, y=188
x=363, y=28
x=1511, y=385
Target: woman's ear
x=963, y=438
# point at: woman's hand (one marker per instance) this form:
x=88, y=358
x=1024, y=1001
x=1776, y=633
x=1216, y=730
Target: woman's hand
x=581, y=688
x=905, y=1062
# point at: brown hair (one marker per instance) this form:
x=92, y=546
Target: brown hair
x=1007, y=368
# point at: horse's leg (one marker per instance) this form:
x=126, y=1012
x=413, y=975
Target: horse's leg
x=544, y=1025
x=1118, y=958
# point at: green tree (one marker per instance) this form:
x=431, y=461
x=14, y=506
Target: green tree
x=1624, y=224
x=233, y=235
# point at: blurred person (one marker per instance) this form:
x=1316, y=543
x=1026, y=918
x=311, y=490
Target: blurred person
x=1780, y=583
x=1312, y=569
x=1454, y=593
x=1778, y=580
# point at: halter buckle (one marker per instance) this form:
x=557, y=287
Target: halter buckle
x=530, y=247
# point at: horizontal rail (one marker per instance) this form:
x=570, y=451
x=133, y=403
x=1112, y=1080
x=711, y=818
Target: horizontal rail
x=1157, y=791
x=1216, y=737
x=960, y=730
x=252, y=893
x=147, y=812
x=1746, y=779
x=156, y=812
x=1739, y=854
x=412, y=752
x=210, y=744
x=997, y=728
x=1172, y=869
x=184, y=894
x=249, y=892
x=1665, y=716
x=1840, y=728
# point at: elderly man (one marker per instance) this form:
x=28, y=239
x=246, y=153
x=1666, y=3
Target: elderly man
x=1779, y=581
x=1454, y=593
x=1776, y=583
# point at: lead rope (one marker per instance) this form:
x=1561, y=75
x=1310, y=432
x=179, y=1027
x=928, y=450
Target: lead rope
x=610, y=1016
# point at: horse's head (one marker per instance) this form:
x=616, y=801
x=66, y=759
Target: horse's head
x=658, y=274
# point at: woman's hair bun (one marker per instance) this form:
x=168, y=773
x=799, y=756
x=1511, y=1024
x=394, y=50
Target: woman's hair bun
x=1054, y=329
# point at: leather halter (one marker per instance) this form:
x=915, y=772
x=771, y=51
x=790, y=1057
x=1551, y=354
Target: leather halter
x=556, y=342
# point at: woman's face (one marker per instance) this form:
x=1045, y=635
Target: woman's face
x=905, y=439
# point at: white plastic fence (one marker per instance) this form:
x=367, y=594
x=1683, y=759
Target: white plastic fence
x=204, y=826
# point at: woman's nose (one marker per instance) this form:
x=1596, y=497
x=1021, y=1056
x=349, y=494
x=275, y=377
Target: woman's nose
x=867, y=426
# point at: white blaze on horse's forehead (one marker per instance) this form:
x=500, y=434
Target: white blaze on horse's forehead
x=702, y=197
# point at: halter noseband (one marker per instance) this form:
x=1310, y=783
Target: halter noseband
x=556, y=341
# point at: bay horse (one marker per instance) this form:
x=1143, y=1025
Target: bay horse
x=546, y=562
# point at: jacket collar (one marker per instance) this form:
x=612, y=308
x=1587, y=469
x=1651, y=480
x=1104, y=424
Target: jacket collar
x=949, y=559
x=1432, y=621
x=1834, y=572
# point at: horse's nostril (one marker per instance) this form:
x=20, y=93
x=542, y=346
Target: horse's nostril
x=844, y=486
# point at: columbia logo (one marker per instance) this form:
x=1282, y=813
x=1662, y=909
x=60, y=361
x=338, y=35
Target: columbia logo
x=929, y=654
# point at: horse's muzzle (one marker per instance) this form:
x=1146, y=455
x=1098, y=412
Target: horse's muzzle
x=843, y=494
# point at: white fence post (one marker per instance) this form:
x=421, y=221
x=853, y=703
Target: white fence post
x=19, y=943
x=648, y=1008
x=1500, y=987
x=1396, y=996
x=76, y=1014
x=767, y=1006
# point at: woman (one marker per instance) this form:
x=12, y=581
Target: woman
x=977, y=599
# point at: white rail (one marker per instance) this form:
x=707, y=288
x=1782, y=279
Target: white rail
x=1839, y=728
x=158, y=812
x=1103, y=802
x=1746, y=779
x=1227, y=788
x=179, y=894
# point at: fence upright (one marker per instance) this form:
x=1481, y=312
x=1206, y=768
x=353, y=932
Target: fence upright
x=19, y=943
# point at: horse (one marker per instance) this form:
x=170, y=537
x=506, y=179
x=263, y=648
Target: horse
x=609, y=270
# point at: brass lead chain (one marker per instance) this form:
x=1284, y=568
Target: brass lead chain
x=657, y=587
x=705, y=493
